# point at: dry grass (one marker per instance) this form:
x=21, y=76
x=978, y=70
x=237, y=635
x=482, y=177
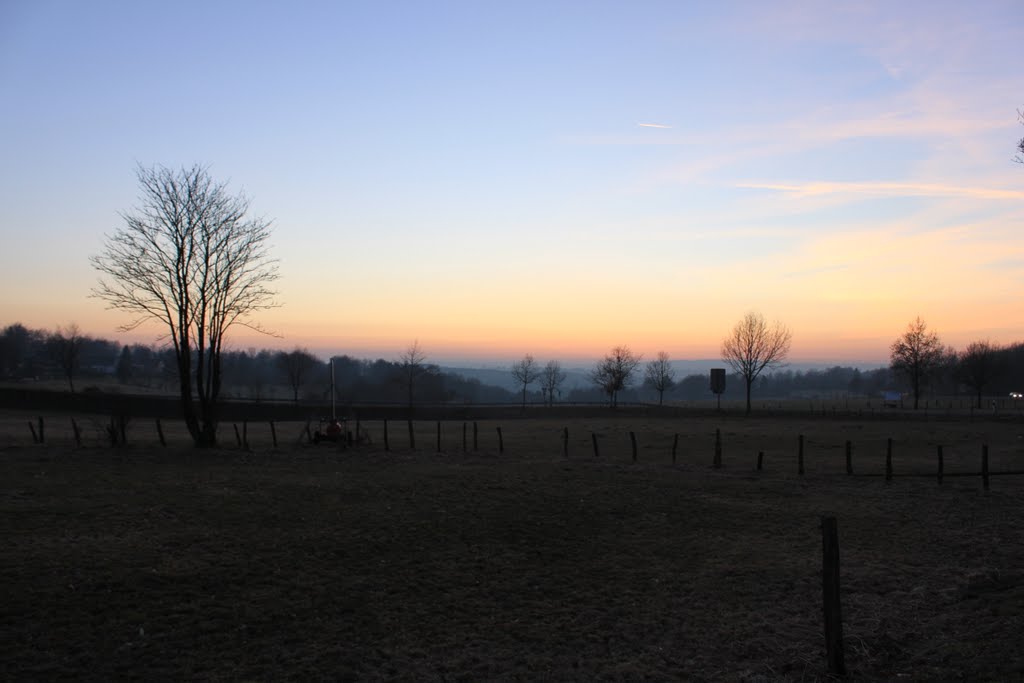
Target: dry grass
x=320, y=563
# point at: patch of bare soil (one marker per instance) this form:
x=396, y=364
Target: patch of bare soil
x=318, y=563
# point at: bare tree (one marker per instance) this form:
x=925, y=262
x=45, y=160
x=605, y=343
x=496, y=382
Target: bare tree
x=977, y=366
x=917, y=355
x=296, y=366
x=551, y=378
x=614, y=372
x=414, y=364
x=66, y=349
x=660, y=375
x=754, y=346
x=190, y=258
x=1020, y=144
x=526, y=372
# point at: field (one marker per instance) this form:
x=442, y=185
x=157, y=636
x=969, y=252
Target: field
x=317, y=562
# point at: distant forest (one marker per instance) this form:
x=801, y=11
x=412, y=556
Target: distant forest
x=84, y=363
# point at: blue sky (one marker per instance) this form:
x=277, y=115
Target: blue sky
x=478, y=176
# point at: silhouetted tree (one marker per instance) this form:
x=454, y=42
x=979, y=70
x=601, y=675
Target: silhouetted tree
x=526, y=373
x=296, y=366
x=551, y=378
x=978, y=365
x=189, y=257
x=124, y=365
x=660, y=375
x=754, y=346
x=413, y=366
x=917, y=355
x=614, y=372
x=66, y=350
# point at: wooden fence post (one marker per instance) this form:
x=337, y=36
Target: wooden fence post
x=941, y=464
x=163, y=441
x=309, y=433
x=78, y=434
x=476, y=444
x=888, y=459
x=412, y=436
x=760, y=460
x=830, y=593
x=122, y=425
x=632, y=440
x=849, y=457
x=32, y=428
x=501, y=442
x=438, y=436
x=464, y=437
x=245, y=434
x=565, y=442
x=718, y=447
x=675, y=445
x=800, y=456
x=984, y=466
x=273, y=434
x=387, y=446
x=238, y=435
x=593, y=437
x=42, y=433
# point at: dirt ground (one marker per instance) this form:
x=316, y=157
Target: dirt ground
x=315, y=562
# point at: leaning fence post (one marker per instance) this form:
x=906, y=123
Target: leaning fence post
x=387, y=447
x=632, y=440
x=984, y=466
x=32, y=428
x=238, y=436
x=888, y=459
x=830, y=594
x=245, y=434
x=501, y=442
x=565, y=442
x=412, y=436
x=675, y=445
x=273, y=434
x=163, y=441
x=593, y=437
x=78, y=434
x=800, y=456
x=939, y=450
x=760, y=460
x=476, y=445
x=42, y=436
x=438, y=436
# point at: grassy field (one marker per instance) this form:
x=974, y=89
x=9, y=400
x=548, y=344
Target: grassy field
x=315, y=562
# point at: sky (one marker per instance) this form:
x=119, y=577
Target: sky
x=556, y=178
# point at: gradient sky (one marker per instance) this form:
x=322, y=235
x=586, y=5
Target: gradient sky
x=557, y=178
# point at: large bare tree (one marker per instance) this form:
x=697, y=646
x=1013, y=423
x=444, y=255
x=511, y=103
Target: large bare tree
x=977, y=366
x=551, y=378
x=525, y=372
x=190, y=257
x=660, y=374
x=755, y=346
x=614, y=372
x=917, y=355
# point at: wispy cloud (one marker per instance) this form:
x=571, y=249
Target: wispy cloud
x=885, y=189
x=653, y=125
